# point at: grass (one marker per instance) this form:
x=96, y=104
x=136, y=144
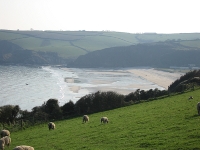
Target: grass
x=171, y=123
x=195, y=43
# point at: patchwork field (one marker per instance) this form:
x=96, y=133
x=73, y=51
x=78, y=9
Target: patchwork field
x=71, y=44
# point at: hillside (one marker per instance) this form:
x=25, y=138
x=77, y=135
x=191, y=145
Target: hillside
x=13, y=54
x=158, y=54
x=170, y=123
x=71, y=44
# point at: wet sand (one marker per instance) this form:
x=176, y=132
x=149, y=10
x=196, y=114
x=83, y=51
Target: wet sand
x=160, y=78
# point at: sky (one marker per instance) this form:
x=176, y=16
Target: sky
x=132, y=16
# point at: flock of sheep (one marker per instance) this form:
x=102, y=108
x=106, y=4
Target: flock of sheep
x=103, y=119
x=6, y=141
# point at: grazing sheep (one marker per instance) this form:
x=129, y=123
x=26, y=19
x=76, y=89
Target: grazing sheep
x=23, y=147
x=198, y=107
x=5, y=133
x=85, y=118
x=104, y=120
x=51, y=125
x=5, y=141
x=191, y=97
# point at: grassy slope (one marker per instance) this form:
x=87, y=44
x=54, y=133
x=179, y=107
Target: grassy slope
x=170, y=123
x=195, y=43
x=76, y=43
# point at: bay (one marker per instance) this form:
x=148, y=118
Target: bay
x=30, y=86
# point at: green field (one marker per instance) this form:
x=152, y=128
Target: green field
x=171, y=123
x=71, y=44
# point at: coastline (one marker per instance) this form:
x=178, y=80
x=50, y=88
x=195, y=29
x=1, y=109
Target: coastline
x=158, y=78
x=161, y=78
x=67, y=84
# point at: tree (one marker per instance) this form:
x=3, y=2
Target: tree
x=99, y=101
x=52, y=109
x=9, y=113
x=38, y=114
x=143, y=95
x=131, y=97
x=68, y=108
x=137, y=94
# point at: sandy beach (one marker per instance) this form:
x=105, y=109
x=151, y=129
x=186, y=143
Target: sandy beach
x=160, y=78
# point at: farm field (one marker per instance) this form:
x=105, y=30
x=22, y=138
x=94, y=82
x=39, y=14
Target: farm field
x=71, y=44
x=169, y=123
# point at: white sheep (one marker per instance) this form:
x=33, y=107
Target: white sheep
x=104, y=120
x=198, y=108
x=85, y=118
x=5, y=141
x=5, y=133
x=51, y=125
x=23, y=147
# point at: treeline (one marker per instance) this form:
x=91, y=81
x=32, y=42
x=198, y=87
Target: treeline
x=88, y=104
x=91, y=103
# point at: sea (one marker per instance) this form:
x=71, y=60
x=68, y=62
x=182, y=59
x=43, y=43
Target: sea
x=30, y=86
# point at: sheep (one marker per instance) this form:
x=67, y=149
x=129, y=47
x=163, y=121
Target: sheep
x=198, y=108
x=85, y=118
x=191, y=97
x=51, y=125
x=5, y=141
x=104, y=120
x=2, y=144
x=23, y=147
x=5, y=133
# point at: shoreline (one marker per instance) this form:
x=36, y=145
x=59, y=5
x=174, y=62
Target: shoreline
x=156, y=78
x=161, y=78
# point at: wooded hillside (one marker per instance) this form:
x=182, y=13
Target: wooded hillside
x=160, y=54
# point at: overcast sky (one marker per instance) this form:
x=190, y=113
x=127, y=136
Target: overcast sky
x=134, y=16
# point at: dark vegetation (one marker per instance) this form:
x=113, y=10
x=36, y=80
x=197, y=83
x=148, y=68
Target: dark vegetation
x=15, y=118
x=158, y=55
x=188, y=81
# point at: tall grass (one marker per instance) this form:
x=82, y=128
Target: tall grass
x=170, y=123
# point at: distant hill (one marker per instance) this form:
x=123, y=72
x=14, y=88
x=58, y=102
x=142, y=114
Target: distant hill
x=13, y=54
x=159, y=54
x=66, y=46
x=71, y=44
